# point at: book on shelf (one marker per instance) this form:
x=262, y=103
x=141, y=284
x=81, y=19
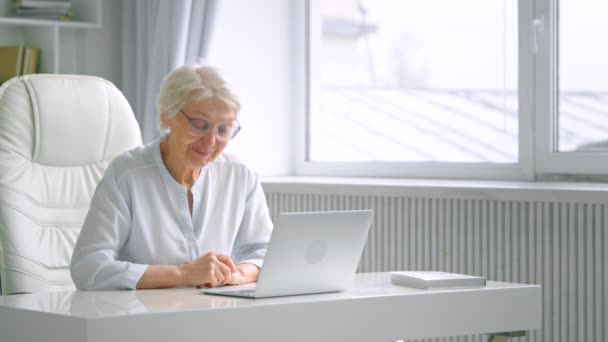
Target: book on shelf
x=44, y=3
x=17, y=61
x=50, y=16
x=30, y=61
x=29, y=11
x=44, y=9
x=431, y=279
x=11, y=62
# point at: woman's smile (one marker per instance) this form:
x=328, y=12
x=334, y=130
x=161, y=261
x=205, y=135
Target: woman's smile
x=201, y=152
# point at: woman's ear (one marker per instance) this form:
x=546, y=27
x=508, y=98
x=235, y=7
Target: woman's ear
x=165, y=119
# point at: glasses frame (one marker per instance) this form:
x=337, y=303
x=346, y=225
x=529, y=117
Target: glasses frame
x=236, y=128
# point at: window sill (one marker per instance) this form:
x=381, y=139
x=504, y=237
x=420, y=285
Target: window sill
x=466, y=189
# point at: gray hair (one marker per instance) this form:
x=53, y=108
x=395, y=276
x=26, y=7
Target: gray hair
x=192, y=82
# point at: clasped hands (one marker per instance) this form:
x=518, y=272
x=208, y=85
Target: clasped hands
x=211, y=270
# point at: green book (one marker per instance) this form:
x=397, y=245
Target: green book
x=30, y=61
x=11, y=62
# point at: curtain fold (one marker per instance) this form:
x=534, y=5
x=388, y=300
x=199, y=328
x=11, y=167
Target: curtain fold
x=157, y=37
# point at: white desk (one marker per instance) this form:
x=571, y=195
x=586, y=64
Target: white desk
x=373, y=310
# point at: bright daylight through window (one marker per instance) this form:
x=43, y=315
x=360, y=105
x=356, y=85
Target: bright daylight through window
x=415, y=81
x=583, y=76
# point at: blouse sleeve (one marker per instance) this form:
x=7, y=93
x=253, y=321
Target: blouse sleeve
x=106, y=227
x=255, y=228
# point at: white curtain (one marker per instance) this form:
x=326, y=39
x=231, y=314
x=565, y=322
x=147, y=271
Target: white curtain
x=157, y=37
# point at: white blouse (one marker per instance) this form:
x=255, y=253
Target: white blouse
x=139, y=216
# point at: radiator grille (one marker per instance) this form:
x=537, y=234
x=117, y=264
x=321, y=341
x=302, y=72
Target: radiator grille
x=560, y=245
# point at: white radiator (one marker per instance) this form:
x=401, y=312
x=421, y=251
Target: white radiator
x=559, y=244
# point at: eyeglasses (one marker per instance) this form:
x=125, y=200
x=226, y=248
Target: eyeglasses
x=202, y=127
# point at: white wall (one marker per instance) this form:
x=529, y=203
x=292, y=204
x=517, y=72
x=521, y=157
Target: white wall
x=251, y=44
x=94, y=51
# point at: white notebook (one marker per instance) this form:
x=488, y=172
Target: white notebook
x=429, y=279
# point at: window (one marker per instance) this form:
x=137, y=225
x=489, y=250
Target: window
x=464, y=89
x=410, y=80
x=583, y=76
x=571, y=107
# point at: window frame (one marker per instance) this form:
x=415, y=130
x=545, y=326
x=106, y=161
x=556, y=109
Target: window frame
x=537, y=110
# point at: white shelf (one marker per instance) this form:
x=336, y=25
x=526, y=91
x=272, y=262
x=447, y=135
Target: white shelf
x=48, y=35
x=87, y=14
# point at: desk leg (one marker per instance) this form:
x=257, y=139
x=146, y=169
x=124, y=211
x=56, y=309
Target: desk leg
x=504, y=336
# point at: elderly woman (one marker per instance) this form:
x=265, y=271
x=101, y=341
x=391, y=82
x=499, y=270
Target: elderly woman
x=179, y=211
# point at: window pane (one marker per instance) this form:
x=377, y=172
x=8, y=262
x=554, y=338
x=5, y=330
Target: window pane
x=583, y=76
x=426, y=80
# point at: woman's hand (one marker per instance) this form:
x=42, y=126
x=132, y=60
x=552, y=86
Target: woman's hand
x=246, y=273
x=210, y=270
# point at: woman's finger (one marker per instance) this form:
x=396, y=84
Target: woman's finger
x=227, y=261
x=218, y=274
x=226, y=272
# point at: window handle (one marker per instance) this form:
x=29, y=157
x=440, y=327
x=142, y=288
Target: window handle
x=538, y=27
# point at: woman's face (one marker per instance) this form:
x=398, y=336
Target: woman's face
x=198, y=141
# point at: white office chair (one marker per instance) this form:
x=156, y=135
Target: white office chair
x=58, y=134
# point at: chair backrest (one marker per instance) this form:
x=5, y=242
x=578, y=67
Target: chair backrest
x=58, y=133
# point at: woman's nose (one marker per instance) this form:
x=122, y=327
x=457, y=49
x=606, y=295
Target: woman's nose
x=210, y=138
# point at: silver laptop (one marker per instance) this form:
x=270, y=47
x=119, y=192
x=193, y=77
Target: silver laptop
x=312, y=252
